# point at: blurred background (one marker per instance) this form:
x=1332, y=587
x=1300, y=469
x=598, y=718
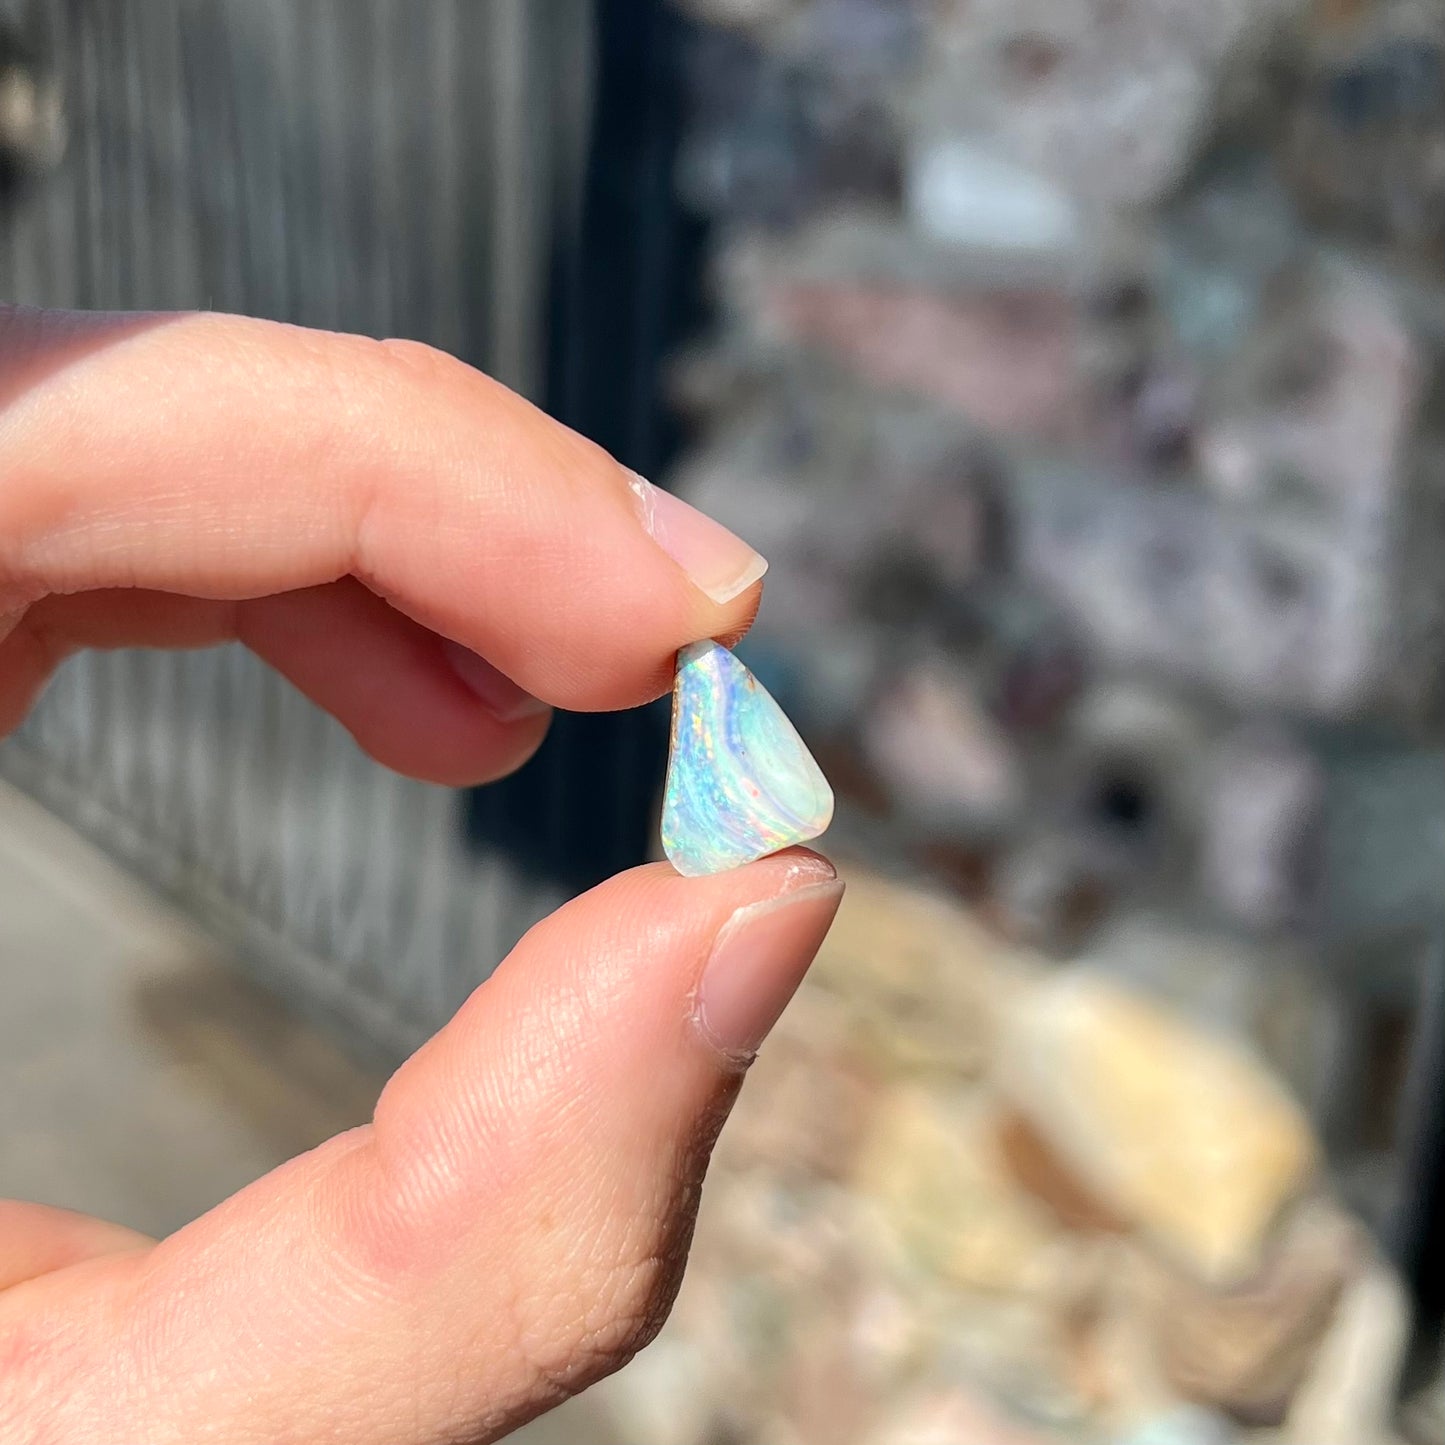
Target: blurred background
x=1078, y=366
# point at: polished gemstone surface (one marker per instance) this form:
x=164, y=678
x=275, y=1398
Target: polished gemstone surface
x=741, y=783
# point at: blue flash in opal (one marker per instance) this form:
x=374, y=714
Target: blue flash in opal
x=741, y=783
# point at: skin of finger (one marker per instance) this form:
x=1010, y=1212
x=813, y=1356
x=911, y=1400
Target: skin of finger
x=511, y=1227
x=36, y=1239
x=385, y=678
x=381, y=674
x=223, y=457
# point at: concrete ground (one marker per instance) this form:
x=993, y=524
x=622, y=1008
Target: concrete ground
x=141, y=1077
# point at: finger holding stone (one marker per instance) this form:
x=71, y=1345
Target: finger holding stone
x=423, y=706
x=510, y=1227
x=221, y=457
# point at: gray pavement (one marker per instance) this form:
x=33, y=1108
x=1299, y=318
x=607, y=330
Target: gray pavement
x=141, y=1077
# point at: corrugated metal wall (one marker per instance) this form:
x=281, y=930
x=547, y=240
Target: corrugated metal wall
x=382, y=166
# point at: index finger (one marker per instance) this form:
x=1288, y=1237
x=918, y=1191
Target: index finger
x=222, y=457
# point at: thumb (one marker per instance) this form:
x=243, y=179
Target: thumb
x=510, y=1227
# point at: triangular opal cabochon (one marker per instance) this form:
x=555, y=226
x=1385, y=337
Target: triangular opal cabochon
x=741, y=783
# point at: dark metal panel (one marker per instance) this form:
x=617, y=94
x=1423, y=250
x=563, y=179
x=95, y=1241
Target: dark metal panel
x=624, y=293
x=377, y=166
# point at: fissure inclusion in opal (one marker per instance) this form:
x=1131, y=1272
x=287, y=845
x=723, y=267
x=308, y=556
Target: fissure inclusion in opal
x=741, y=783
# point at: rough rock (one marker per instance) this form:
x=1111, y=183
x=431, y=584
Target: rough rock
x=948, y=1416
x=1110, y=98
x=946, y=764
x=1246, y=1350
x=946, y=1205
x=1184, y=1426
x=1178, y=1132
x=1348, y=1396
x=1004, y=359
x=924, y=982
x=1361, y=142
x=1271, y=996
x=817, y=1094
x=1264, y=797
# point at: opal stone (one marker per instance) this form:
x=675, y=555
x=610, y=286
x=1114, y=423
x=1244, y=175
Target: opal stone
x=740, y=782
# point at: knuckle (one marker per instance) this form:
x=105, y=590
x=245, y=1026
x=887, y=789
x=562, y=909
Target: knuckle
x=417, y=361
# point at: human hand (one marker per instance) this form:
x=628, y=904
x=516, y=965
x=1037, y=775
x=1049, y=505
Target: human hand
x=374, y=520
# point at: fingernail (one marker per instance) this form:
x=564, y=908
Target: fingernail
x=497, y=692
x=719, y=564
x=760, y=957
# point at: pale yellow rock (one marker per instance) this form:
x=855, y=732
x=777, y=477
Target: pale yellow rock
x=1182, y=1134
x=943, y=1200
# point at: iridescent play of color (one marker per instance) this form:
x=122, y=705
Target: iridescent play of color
x=740, y=782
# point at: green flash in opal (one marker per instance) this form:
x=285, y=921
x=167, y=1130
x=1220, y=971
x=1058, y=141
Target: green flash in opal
x=741, y=783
